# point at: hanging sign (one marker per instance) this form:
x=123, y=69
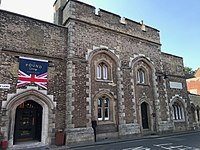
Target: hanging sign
x=32, y=71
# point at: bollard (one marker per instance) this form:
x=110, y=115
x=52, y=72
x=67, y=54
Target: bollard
x=94, y=126
x=60, y=136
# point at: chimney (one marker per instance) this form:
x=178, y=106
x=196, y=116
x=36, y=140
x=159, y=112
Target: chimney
x=143, y=28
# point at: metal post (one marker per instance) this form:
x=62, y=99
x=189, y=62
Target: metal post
x=94, y=126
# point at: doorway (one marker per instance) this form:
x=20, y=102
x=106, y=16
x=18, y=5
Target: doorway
x=144, y=115
x=28, y=122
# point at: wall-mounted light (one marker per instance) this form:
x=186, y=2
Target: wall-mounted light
x=165, y=76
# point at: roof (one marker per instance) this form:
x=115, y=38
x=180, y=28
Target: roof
x=197, y=73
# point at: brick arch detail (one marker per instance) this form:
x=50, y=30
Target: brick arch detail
x=112, y=100
x=147, y=60
x=108, y=52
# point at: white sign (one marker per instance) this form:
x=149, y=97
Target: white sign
x=171, y=146
x=4, y=86
x=176, y=85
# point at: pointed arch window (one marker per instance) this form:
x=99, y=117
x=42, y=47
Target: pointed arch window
x=105, y=72
x=197, y=113
x=193, y=113
x=99, y=71
x=178, y=113
x=102, y=71
x=103, y=108
x=140, y=76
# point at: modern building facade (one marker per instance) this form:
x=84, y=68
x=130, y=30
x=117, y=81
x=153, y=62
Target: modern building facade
x=102, y=69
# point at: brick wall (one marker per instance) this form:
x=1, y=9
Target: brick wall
x=73, y=53
x=23, y=36
x=193, y=85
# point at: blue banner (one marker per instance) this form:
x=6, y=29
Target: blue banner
x=32, y=71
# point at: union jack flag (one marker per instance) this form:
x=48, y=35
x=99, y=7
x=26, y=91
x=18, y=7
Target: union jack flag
x=32, y=71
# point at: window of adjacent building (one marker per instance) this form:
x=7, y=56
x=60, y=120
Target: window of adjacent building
x=178, y=111
x=193, y=113
x=193, y=91
x=103, y=108
x=140, y=76
x=198, y=117
x=102, y=72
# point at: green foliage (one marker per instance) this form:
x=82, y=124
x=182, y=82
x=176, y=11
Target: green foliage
x=189, y=73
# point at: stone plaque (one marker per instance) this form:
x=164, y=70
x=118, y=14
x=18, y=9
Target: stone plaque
x=176, y=85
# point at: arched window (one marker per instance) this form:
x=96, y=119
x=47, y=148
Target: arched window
x=102, y=71
x=140, y=76
x=103, y=108
x=105, y=72
x=193, y=113
x=99, y=71
x=198, y=116
x=178, y=111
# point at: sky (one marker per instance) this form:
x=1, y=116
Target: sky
x=177, y=20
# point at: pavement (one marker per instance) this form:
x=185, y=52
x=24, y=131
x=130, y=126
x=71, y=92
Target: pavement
x=133, y=138
x=107, y=141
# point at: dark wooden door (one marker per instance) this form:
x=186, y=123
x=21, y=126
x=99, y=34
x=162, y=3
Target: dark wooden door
x=28, y=122
x=144, y=112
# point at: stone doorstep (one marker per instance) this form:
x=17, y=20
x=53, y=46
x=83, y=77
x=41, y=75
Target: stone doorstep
x=39, y=147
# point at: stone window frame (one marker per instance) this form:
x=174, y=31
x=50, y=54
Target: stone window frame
x=103, y=106
x=111, y=109
x=102, y=71
x=178, y=111
x=103, y=62
x=147, y=65
x=140, y=76
x=142, y=68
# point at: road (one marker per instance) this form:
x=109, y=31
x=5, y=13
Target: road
x=189, y=141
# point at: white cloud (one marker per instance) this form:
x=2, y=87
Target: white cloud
x=39, y=9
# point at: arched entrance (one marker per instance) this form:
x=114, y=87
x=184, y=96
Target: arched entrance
x=28, y=122
x=144, y=115
x=36, y=103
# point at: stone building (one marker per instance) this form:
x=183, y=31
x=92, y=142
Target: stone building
x=101, y=68
x=195, y=110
